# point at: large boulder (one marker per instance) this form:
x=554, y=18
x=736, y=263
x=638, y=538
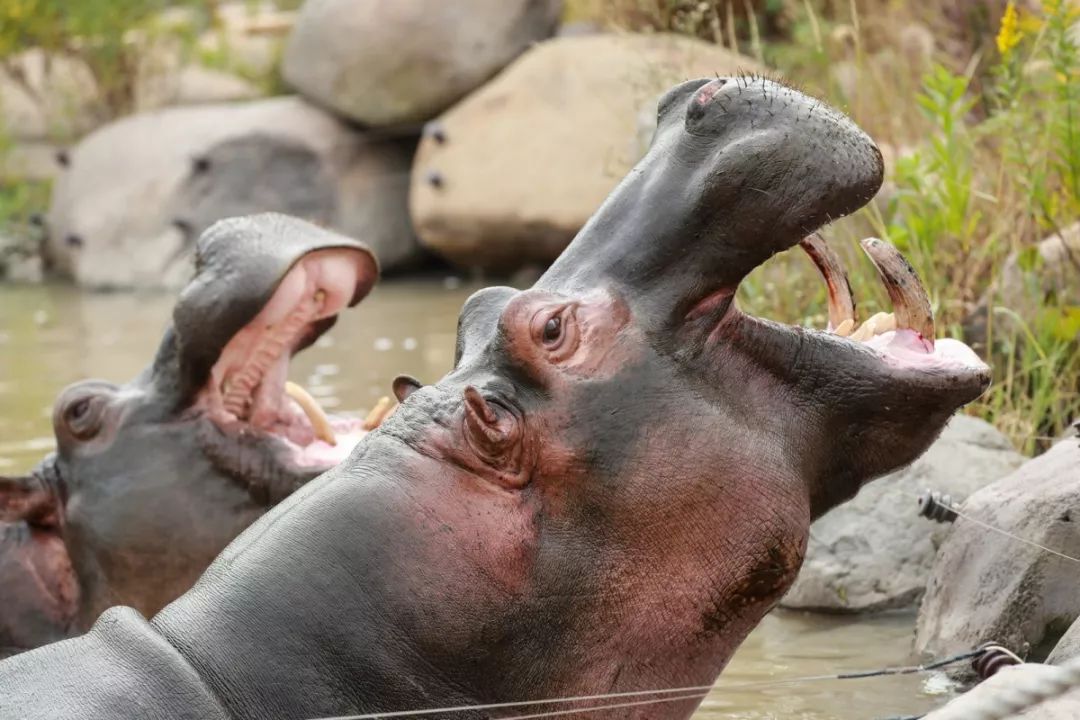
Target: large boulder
x=987, y=586
x=388, y=63
x=873, y=552
x=139, y=191
x=508, y=176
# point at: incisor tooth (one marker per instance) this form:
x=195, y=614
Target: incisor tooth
x=875, y=325
x=319, y=422
x=380, y=412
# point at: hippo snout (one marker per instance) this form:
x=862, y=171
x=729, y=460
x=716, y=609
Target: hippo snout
x=784, y=162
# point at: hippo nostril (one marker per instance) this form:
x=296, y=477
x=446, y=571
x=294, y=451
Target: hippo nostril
x=709, y=90
x=74, y=241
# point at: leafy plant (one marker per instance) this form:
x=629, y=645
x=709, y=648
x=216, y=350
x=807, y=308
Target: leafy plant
x=112, y=38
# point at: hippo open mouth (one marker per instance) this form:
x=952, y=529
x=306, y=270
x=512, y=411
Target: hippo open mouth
x=247, y=392
x=237, y=327
x=903, y=339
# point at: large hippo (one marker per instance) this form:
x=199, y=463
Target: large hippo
x=604, y=495
x=152, y=479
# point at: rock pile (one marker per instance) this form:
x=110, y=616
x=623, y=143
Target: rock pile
x=512, y=162
x=138, y=192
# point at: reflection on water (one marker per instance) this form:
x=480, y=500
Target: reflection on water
x=52, y=336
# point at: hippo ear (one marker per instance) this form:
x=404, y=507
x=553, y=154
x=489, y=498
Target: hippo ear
x=404, y=386
x=494, y=435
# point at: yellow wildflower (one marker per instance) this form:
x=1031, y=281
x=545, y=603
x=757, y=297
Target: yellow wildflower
x=1009, y=35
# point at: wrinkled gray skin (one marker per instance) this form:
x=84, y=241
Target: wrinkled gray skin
x=608, y=491
x=144, y=490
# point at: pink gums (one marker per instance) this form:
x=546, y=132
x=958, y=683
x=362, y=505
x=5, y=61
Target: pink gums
x=247, y=383
x=908, y=349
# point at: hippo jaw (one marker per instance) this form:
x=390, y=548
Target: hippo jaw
x=156, y=476
x=246, y=395
x=234, y=345
x=655, y=455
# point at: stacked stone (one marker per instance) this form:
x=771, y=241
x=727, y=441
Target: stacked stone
x=467, y=130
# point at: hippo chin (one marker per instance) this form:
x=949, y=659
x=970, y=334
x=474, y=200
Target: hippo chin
x=608, y=491
x=152, y=479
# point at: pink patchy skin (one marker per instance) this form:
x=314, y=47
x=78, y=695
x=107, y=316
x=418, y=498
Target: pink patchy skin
x=710, y=303
x=247, y=383
x=659, y=600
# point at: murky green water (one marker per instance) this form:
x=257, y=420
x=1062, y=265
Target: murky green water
x=52, y=336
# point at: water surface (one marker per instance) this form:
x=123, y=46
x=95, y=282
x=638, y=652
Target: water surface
x=52, y=336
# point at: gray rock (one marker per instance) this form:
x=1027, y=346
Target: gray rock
x=873, y=552
x=387, y=63
x=986, y=586
x=1068, y=646
x=509, y=175
x=139, y=191
x=1003, y=683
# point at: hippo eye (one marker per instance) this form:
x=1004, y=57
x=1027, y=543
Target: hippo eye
x=82, y=418
x=552, y=330
x=555, y=331
x=78, y=411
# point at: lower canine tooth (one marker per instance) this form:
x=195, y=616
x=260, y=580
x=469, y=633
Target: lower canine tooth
x=380, y=412
x=910, y=302
x=319, y=422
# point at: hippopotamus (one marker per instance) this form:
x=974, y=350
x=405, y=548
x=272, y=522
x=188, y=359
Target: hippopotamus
x=152, y=479
x=604, y=495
